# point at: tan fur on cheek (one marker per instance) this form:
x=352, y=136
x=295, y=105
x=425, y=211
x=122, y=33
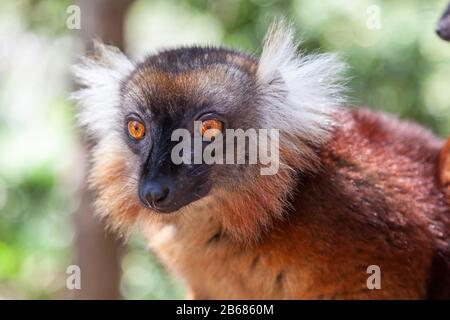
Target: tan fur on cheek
x=250, y=210
x=116, y=189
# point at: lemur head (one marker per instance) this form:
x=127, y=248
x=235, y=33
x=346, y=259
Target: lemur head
x=132, y=110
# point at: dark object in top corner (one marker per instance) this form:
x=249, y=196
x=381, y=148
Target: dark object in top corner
x=443, y=26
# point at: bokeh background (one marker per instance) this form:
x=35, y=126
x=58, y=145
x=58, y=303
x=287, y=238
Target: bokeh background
x=397, y=63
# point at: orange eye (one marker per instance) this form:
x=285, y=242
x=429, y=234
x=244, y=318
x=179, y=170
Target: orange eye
x=211, y=128
x=136, y=129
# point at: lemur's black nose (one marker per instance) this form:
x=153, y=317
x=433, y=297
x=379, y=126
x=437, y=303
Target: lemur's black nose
x=153, y=193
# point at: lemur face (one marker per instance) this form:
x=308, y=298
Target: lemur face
x=170, y=91
x=131, y=111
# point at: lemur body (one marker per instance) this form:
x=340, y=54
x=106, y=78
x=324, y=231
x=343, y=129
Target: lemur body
x=355, y=188
x=377, y=207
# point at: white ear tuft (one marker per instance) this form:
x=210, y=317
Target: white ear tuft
x=300, y=91
x=100, y=76
x=278, y=50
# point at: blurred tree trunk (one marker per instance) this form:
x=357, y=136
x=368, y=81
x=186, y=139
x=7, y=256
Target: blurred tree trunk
x=98, y=252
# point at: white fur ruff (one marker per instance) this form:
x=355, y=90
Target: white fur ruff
x=100, y=77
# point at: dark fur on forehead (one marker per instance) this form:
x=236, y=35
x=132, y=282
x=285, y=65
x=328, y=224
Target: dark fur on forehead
x=190, y=58
x=187, y=80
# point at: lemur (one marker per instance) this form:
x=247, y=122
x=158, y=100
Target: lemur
x=354, y=188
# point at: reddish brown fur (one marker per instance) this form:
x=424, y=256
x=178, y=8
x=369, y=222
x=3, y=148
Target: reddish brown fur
x=375, y=201
x=444, y=168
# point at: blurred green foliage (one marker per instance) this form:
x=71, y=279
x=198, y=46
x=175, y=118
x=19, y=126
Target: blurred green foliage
x=400, y=67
